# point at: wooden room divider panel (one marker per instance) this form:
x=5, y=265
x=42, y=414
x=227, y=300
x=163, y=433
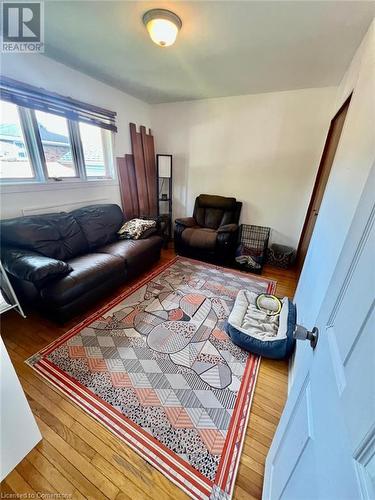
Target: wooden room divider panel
x=128, y=186
x=138, y=177
x=140, y=172
x=150, y=170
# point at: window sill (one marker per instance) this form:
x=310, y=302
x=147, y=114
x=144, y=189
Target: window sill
x=24, y=187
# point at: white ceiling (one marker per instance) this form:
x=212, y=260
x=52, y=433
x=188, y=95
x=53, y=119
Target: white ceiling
x=224, y=48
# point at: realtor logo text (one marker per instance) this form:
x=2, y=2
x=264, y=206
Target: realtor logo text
x=22, y=27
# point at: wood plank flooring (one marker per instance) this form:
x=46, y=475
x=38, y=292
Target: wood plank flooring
x=80, y=458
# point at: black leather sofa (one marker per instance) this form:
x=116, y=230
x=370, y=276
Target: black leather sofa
x=64, y=262
x=212, y=233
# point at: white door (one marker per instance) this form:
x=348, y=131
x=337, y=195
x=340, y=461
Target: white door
x=19, y=432
x=324, y=447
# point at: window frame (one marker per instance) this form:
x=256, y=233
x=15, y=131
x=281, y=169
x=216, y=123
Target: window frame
x=25, y=131
x=42, y=156
x=35, y=151
x=108, y=159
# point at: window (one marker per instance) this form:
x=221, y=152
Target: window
x=45, y=137
x=38, y=146
x=54, y=136
x=14, y=159
x=93, y=141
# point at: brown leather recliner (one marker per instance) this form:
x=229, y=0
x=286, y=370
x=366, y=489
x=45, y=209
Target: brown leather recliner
x=212, y=232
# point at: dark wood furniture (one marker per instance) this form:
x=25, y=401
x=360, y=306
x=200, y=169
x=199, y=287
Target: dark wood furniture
x=137, y=176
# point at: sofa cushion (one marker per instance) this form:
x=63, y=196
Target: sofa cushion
x=31, y=266
x=55, y=235
x=149, y=232
x=88, y=271
x=99, y=223
x=186, y=221
x=200, y=237
x=215, y=201
x=212, y=211
x=135, y=253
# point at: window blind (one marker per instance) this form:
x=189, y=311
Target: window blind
x=32, y=97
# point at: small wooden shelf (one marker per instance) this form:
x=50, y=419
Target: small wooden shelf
x=164, y=184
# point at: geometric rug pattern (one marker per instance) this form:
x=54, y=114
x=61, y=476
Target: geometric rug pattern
x=157, y=367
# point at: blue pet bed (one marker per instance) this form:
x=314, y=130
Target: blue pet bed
x=259, y=333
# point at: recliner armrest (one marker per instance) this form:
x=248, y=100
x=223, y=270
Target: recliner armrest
x=32, y=266
x=228, y=228
x=186, y=222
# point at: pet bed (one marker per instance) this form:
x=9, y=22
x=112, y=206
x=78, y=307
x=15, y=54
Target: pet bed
x=259, y=332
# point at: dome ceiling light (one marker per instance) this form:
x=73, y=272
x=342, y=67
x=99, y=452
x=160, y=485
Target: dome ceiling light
x=162, y=25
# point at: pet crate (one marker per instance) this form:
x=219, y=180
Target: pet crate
x=252, y=247
x=281, y=256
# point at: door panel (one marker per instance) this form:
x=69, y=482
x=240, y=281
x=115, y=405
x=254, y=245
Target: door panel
x=360, y=374
x=336, y=471
x=296, y=485
x=294, y=443
x=359, y=278
x=366, y=467
x=327, y=432
x=351, y=325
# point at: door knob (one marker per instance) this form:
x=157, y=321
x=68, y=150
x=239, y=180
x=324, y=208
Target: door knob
x=302, y=333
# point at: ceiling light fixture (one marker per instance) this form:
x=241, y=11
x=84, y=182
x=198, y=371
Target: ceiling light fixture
x=162, y=25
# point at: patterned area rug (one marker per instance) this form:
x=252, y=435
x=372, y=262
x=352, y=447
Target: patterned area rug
x=157, y=368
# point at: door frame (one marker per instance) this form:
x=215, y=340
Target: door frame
x=317, y=179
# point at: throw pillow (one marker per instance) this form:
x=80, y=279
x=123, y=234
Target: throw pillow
x=135, y=228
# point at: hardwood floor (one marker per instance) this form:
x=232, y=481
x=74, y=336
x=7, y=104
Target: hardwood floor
x=80, y=458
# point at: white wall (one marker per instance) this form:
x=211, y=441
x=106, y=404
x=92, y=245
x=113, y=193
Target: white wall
x=354, y=159
x=19, y=432
x=44, y=72
x=264, y=149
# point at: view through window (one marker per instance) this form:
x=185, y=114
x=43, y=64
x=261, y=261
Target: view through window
x=14, y=159
x=92, y=144
x=54, y=135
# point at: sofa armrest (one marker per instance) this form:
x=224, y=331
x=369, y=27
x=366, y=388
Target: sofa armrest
x=228, y=228
x=227, y=238
x=32, y=266
x=186, y=222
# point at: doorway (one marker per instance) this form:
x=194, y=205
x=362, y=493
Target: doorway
x=329, y=151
